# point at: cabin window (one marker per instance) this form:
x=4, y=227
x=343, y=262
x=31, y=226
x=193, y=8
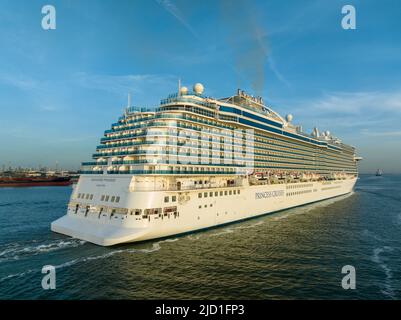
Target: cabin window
x=211, y=194
x=174, y=198
x=199, y=195
x=91, y=197
x=117, y=199
x=166, y=199
x=113, y=198
x=225, y=192
x=205, y=194
x=216, y=194
x=221, y=193
x=107, y=198
x=102, y=198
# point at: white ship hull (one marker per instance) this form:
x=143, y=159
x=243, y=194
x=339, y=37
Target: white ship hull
x=118, y=223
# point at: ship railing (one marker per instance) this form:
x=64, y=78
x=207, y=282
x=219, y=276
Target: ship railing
x=239, y=163
x=186, y=188
x=175, y=172
x=134, y=109
x=169, y=116
x=90, y=172
x=186, y=100
x=94, y=163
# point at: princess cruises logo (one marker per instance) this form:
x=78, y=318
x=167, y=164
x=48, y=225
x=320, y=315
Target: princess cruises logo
x=269, y=194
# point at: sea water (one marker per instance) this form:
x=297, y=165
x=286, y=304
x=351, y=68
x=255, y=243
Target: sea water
x=294, y=254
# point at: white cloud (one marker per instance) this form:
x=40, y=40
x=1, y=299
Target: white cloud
x=350, y=114
x=170, y=7
x=21, y=82
x=368, y=132
x=122, y=84
x=372, y=102
x=277, y=73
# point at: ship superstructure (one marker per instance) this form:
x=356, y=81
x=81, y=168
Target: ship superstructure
x=196, y=162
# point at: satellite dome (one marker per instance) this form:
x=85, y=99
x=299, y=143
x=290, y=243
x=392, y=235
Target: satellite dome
x=328, y=133
x=198, y=88
x=184, y=90
x=289, y=117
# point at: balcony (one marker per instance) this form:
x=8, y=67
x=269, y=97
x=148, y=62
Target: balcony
x=94, y=163
x=175, y=172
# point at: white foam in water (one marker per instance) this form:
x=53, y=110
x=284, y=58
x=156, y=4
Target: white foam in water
x=370, y=234
x=224, y=231
x=399, y=219
x=16, y=275
x=16, y=251
x=250, y=226
x=232, y=229
x=289, y=213
x=155, y=247
x=309, y=207
x=193, y=237
x=85, y=259
x=388, y=289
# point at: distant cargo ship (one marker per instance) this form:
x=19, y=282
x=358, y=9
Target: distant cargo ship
x=379, y=172
x=25, y=181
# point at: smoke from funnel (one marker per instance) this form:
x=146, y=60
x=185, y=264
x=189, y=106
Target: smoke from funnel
x=247, y=40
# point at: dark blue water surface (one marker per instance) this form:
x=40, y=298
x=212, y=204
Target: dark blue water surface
x=294, y=254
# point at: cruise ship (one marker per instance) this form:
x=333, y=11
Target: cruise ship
x=197, y=162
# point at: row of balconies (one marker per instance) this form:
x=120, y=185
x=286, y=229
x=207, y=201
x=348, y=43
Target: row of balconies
x=207, y=156
x=173, y=116
x=234, y=151
x=175, y=172
x=194, y=145
x=163, y=133
x=145, y=132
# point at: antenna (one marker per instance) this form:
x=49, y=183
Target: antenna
x=129, y=100
x=179, y=86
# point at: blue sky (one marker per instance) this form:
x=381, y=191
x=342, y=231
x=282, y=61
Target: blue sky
x=60, y=89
